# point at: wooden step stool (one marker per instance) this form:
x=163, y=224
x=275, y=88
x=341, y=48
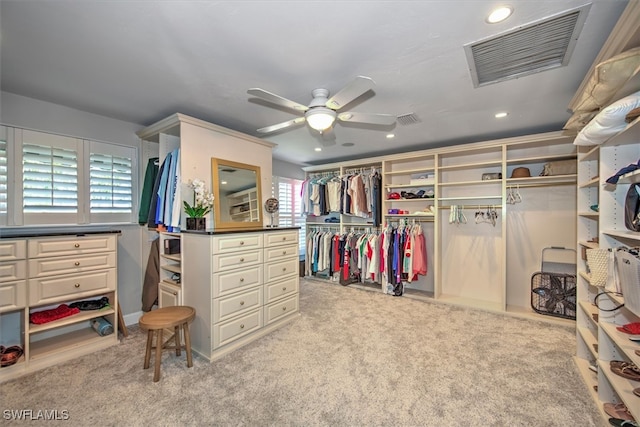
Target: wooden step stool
x=175, y=318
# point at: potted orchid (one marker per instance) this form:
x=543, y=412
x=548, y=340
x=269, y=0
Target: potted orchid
x=202, y=205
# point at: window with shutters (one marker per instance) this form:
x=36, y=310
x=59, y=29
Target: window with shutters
x=49, y=177
x=287, y=191
x=110, y=182
x=4, y=175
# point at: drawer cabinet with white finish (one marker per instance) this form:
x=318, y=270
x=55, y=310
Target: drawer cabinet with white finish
x=234, y=281
x=39, y=273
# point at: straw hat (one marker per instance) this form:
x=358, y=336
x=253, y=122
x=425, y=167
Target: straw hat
x=521, y=173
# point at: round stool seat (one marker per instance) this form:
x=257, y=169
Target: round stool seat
x=167, y=317
x=175, y=318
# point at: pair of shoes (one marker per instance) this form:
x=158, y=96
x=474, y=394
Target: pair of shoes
x=622, y=423
x=10, y=355
x=406, y=195
x=637, y=392
x=618, y=410
x=626, y=370
x=595, y=347
x=630, y=328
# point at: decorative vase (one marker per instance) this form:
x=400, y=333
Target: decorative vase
x=197, y=223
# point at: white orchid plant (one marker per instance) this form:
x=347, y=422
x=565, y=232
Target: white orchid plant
x=202, y=200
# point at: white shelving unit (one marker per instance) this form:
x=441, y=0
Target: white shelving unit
x=170, y=286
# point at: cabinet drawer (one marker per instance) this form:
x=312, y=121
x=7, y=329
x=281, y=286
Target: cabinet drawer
x=72, y=286
x=233, y=305
x=12, y=249
x=280, y=238
x=280, y=309
x=226, y=332
x=60, y=246
x=281, y=253
x=230, y=261
x=41, y=267
x=13, y=295
x=13, y=270
x=236, y=242
x=234, y=281
x=277, y=270
x=278, y=290
x=169, y=295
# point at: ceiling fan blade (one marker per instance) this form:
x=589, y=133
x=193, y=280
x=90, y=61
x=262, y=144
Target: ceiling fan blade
x=276, y=99
x=283, y=125
x=374, y=119
x=350, y=92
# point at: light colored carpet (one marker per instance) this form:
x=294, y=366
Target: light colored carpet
x=353, y=358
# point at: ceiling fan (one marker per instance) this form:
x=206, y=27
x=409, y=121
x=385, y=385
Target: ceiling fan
x=322, y=111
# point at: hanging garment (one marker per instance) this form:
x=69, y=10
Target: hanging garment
x=147, y=190
x=151, y=277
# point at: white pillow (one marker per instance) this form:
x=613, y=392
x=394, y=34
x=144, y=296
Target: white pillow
x=608, y=122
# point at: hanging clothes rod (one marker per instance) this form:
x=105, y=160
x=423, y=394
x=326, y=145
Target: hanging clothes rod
x=544, y=184
x=476, y=206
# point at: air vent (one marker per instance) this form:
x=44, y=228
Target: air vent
x=532, y=48
x=408, y=119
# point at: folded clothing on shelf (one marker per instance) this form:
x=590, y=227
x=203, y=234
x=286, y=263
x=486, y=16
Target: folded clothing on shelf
x=92, y=304
x=45, y=316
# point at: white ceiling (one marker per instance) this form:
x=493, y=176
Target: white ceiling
x=140, y=61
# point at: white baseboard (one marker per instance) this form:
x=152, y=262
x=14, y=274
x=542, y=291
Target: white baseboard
x=132, y=319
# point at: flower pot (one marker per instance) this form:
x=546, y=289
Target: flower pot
x=196, y=223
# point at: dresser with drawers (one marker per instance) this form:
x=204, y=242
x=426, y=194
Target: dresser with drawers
x=41, y=273
x=243, y=285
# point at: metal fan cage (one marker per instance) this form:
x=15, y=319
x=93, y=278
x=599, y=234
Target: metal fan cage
x=554, y=294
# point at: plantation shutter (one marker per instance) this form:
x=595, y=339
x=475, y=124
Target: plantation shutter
x=110, y=188
x=4, y=172
x=287, y=191
x=49, y=179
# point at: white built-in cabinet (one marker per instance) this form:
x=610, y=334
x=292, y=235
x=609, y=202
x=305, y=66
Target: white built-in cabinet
x=44, y=271
x=601, y=225
x=482, y=264
x=170, y=286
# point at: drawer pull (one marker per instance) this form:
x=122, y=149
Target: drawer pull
x=175, y=293
x=241, y=279
x=284, y=238
x=284, y=308
x=77, y=245
x=284, y=288
x=241, y=242
x=284, y=252
x=77, y=263
x=284, y=268
x=241, y=259
x=241, y=302
x=242, y=326
x=77, y=285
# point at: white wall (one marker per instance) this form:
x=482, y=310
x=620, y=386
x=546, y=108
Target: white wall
x=287, y=170
x=133, y=245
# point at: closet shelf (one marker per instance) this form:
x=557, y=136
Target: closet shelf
x=585, y=276
x=83, y=338
x=589, y=340
x=409, y=171
x=409, y=185
x=629, y=235
x=628, y=136
x=589, y=214
x=630, y=178
x=543, y=180
x=589, y=310
x=171, y=268
x=590, y=380
x=541, y=159
x=445, y=199
x=420, y=199
x=590, y=155
x=623, y=387
x=593, y=182
x=475, y=182
x=70, y=320
x=174, y=257
x=476, y=165
x=622, y=340
x=589, y=245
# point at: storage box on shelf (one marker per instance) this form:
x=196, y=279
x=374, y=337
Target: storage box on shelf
x=53, y=271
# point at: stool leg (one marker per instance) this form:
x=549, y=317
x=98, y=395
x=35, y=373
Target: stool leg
x=187, y=343
x=176, y=334
x=156, y=371
x=147, y=353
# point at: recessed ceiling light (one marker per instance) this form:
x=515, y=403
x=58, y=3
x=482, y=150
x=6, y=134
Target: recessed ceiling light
x=390, y=135
x=499, y=14
x=318, y=149
x=501, y=115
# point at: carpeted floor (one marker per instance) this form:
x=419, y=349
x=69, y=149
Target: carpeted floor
x=353, y=358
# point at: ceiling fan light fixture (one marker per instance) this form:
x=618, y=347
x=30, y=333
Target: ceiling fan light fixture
x=320, y=118
x=499, y=14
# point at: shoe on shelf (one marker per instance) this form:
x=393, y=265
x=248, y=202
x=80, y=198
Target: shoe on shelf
x=626, y=370
x=637, y=391
x=618, y=410
x=622, y=423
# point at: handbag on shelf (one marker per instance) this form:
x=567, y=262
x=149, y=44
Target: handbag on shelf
x=560, y=167
x=601, y=268
x=628, y=268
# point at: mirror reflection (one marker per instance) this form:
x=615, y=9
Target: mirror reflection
x=237, y=187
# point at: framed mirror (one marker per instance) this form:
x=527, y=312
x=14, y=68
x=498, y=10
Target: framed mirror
x=238, y=202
